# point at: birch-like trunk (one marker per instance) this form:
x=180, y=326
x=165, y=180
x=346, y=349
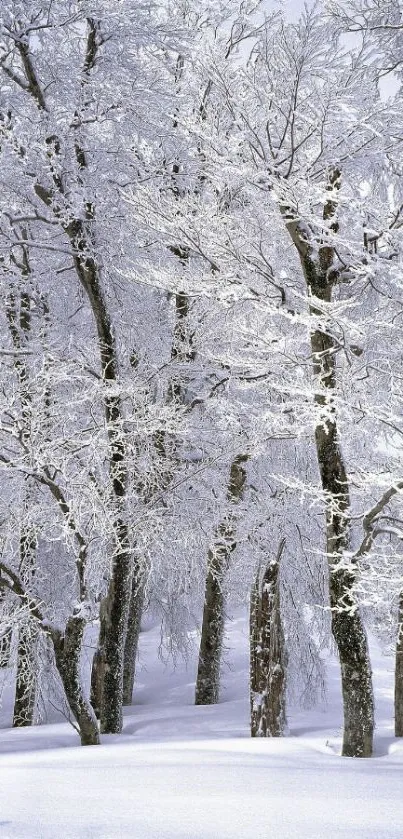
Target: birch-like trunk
x=267, y=654
x=210, y=652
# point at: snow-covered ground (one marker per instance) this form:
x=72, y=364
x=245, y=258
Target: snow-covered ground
x=180, y=772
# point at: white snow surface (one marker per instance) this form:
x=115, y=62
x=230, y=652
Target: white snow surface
x=181, y=772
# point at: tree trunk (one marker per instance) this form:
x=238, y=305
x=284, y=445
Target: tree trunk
x=399, y=672
x=267, y=654
x=347, y=627
x=114, y=618
x=79, y=230
x=18, y=311
x=132, y=635
x=67, y=649
x=208, y=674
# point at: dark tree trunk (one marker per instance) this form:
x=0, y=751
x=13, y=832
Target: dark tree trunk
x=67, y=649
x=109, y=661
x=347, y=626
x=208, y=673
x=98, y=662
x=79, y=230
x=399, y=672
x=132, y=635
x=267, y=654
x=114, y=618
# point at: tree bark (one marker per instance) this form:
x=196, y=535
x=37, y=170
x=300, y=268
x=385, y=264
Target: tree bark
x=267, y=654
x=347, y=627
x=113, y=619
x=208, y=673
x=67, y=649
x=399, y=672
x=132, y=635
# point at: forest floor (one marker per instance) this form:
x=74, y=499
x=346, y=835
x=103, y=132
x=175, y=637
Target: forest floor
x=181, y=772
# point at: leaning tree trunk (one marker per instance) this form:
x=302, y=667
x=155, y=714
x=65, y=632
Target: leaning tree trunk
x=67, y=648
x=399, y=671
x=267, y=654
x=347, y=627
x=109, y=661
x=208, y=673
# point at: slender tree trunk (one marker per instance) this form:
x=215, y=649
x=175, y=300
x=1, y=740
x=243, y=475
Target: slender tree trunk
x=347, y=627
x=208, y=673
x=399, y=672
x=67, y=649
x=110, y=659
x=267, y=654
x=132, y=635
